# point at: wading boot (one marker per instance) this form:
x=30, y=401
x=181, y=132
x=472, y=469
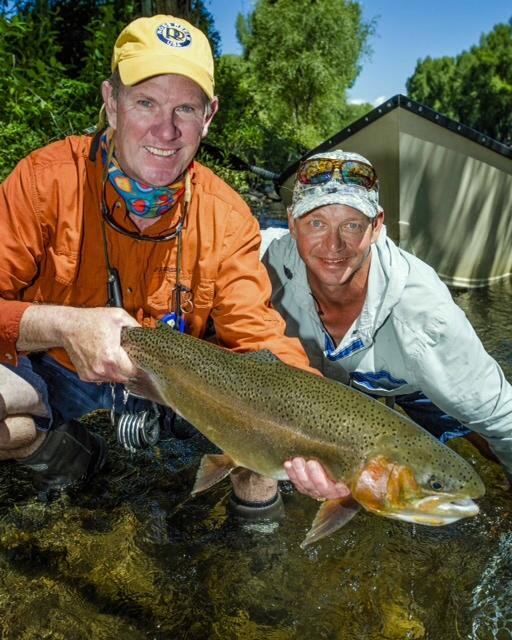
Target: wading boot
x=272, y=509
x=254, y=497
x=69, y=454
x=176, y=425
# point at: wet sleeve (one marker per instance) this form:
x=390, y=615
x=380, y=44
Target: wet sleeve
x=455, y=371
x=20, y=251
x=242, y=313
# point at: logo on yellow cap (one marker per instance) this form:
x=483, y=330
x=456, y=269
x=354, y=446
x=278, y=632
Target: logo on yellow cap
x=174, y=34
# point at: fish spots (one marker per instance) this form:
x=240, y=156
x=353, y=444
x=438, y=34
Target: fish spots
x=296, y=409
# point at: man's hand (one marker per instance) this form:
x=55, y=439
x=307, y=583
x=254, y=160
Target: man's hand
x=93, y=344
x=91, y=337
x=311, y=478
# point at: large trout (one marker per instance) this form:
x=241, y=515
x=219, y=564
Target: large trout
x=261, y=412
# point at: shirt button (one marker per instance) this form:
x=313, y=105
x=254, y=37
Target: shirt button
x=129, y=289
x=9, y=356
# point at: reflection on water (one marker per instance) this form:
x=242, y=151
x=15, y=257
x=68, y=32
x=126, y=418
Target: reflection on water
x=134, y=557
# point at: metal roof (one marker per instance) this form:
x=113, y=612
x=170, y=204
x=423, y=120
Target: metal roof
x=406, y=103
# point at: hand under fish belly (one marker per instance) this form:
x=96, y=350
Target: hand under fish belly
x=261, y=412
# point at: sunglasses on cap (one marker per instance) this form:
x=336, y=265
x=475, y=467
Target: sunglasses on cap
x=352, y=172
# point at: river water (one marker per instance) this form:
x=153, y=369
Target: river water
x=134, y=557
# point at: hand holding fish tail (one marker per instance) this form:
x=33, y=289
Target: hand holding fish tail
x=310, y=477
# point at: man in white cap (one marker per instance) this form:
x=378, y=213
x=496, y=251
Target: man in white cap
x=122, y=228
x=375, y=317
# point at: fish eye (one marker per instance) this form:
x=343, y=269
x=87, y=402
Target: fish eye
x=435, y=484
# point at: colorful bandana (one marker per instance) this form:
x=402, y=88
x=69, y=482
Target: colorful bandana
x=141, y=199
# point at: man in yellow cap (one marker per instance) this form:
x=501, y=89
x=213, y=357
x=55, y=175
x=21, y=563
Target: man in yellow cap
x=123, y=228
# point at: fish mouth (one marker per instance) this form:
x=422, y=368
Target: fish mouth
x=436, y=511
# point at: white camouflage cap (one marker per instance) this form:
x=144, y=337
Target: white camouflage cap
x=307, y=197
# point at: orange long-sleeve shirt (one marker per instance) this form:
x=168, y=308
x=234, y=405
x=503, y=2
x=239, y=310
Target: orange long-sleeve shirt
x=51, y=252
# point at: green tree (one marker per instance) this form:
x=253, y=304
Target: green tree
x=434, y=83
x=71, y=20
x=99, y=37
x=485, y=99
x=474, y=87
x=302, y=55
x=40, y=102
x=355, y=111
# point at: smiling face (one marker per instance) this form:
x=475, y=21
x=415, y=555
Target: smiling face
x=334, y=242
x=159, y=124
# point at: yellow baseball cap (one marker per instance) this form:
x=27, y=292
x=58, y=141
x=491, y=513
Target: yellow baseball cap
x=154, y=46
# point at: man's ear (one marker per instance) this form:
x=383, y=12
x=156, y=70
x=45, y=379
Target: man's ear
x=110, y=103
x=291, y=224
x=214, y=107
x=377, y=223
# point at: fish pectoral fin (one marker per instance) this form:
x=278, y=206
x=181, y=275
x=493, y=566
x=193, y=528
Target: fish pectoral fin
x=214, y=467
x=332, y=515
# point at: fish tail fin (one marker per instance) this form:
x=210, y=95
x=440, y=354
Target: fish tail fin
x=332, y=515
x=213, y=468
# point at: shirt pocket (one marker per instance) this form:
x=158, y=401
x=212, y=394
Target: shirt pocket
x=203, y=294
x=160, y=292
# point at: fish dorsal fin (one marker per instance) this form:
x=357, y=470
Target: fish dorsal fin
x=213, y=468
x=332, y=515
x=264, y=355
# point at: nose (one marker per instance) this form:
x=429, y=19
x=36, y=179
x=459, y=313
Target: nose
x=166, y=128
x=334, y=241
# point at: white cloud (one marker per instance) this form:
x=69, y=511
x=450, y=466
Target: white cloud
x=375, y=102
x=379, y=100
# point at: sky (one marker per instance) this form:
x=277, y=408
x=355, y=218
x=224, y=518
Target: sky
x=405, y=31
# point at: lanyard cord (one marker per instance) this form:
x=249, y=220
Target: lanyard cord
x=179, y=287
x=114, y=290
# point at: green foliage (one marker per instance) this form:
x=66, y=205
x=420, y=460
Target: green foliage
x=302, y=56
x=240, y=180
x=287, y=92
x=40, y=102
x=101, y=33
x=474, y=87
x=433, y=83
x=239, y=127
x=354, y=112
